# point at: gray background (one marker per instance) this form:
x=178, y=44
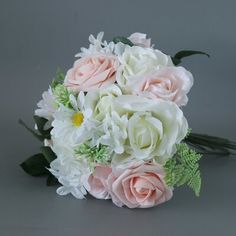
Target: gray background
x=38, y=36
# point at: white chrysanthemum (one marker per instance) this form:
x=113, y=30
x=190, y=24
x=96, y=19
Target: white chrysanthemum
x=114, y=132
x=47, y=106
x=138, y=61
x=73, y=126
x=97, y=46
x=72, y=173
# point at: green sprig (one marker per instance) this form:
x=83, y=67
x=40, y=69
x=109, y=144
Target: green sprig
x=59, y=79
x=183, y=169
x=62, y=95
x=98, y=154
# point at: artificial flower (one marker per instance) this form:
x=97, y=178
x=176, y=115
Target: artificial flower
x=102, y=101
x=139, y=186
x=73, y=126
x=116, y=130
x=137, y=61
x=47, y=106
x=98, y=182
x=154, y=127
x=92, y=72
x=72, y=174
x=169, y=84
x=140, y=39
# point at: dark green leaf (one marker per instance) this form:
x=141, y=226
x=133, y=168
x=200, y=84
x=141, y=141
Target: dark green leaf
x=40, y=122
x=48, y=154
x=186, y=53
x=38, y=136
x=52, y=180
x=123, y=40
x=35, y=165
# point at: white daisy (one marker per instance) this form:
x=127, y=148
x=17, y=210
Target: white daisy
x=73, y=126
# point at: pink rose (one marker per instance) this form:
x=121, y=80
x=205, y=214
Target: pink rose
x=169, y=83
x=139, y=39
x=92, y=72
x=97, y=182
x=142, y=186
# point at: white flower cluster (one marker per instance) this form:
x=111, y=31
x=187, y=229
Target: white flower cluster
x=123, y=97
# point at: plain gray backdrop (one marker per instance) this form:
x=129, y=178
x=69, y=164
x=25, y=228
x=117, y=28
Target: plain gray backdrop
x=38, y=36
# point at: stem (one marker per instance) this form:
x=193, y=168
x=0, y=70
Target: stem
x=207, y=144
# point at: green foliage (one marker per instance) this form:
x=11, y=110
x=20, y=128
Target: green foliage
x=48, y=154
x=183, y=168
x=41, y=133
x=35, y=165
x=52, y=180
x=100, y=154
x=33, y=132
x=62, y=95
x=123, y=40
x=41, y=122
x=59, y=78
x=177, y=58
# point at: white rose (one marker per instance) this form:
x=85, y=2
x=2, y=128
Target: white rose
x=137, y=61
x=154, y=127
x=101, y=102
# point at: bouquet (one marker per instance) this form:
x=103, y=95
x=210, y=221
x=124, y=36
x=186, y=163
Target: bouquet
x=113, y=127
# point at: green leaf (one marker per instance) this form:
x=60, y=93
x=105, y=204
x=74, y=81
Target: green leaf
x=177, y=59
x=35, y=165
x=52, y=180
x=123, y=40
x=59, y=78
x=40, y=122
x=35, y=134
x=48, y=154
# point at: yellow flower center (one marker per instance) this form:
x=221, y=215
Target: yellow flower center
x=77, y=119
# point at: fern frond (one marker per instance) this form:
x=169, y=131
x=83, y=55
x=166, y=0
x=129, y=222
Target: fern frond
x=183, y=169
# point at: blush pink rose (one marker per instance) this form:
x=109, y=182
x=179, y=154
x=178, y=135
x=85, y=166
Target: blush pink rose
x=140, y=39
x=98, y=182
x=142, y=186
x=169, y=83
x=92, y=72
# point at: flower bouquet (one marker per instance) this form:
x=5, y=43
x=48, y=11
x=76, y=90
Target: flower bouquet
x=113, y=127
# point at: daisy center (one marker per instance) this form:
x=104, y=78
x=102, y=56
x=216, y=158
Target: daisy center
x=77, y=119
